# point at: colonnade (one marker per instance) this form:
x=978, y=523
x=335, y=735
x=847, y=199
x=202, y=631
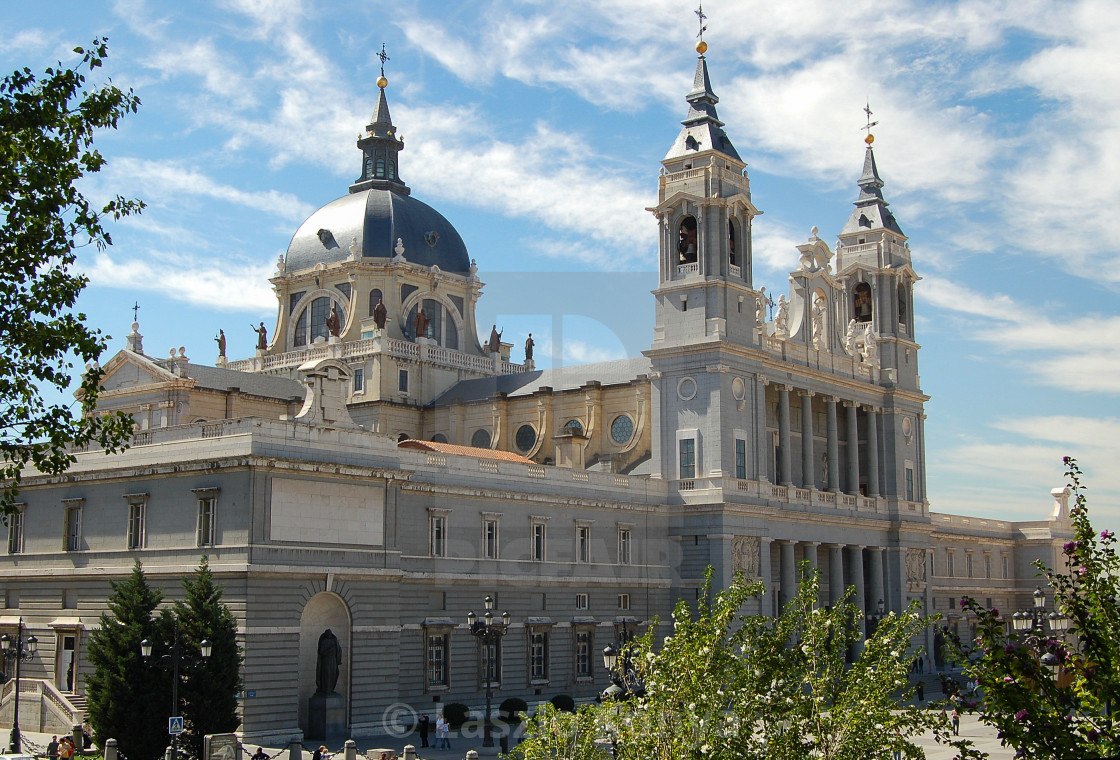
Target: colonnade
x=845, y=567
x=808, y=460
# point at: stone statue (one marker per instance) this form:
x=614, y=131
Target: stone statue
x=824, y=467
x=380, y=315
x=494, y=345
x=850, y=338
x=529, y=348
x=915, y=565
x=818, y=320
x=870, y=349
x=745, y=555
x=221, y=341
x=280, y=266
x=421, y=323
x=782, y=321
x=262, y=336
x=329, y=658
x=760, y=307
x=334, y=325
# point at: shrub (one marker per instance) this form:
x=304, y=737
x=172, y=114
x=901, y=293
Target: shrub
x=564, y=702
x=511, y=709
x=456, y=714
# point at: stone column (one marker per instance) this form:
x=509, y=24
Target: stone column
x=810, y=550
x=835, y=573
x=808, y=466
x=872, y=452
x=853, y=449
x=855, y=563
x=877, y=580
x=785, y=464
x=788, y=573
x=930, y=632
x=766, y=601
x=833, y=447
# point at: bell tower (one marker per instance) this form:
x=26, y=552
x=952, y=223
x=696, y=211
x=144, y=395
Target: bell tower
x=704, y=214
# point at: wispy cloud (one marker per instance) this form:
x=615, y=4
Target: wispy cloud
x=225, y=287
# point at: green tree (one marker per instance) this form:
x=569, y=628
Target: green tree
x=727, y=686
x=209, y=691
x=127, y=699
x=47, y=127
x=1053, y=695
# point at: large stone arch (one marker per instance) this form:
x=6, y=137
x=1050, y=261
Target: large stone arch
x=322, y=611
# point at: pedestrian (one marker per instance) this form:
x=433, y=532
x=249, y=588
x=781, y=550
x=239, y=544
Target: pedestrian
x=260, y=755
x=424, y=724
x=921, y=691
x=956, y=721
x=321, y=753
x=443, y=733
x=52, y=748
x=921, y=665
x=66, y=748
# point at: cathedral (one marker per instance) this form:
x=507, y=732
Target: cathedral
x=381, y=464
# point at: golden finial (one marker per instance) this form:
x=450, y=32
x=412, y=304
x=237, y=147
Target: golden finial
x=382, y=82
x=701, y=46
x=870, y=137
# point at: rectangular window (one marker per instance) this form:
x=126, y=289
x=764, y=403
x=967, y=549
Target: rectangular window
x=538, y=541
x=538, y=656
x=402, y=380
x=688, y=458
x=909, y=484
x=15, y=530
x=136, y=515
x=359, y=379
x=492, y=663
x=1004, y=558
x=624, y=546
x=624, y=601
x=437, y=531
x=581, y=601
x=968, y=564
x=490, y=538
x=583, y=543
x=207, y=507
x=437, y=659
x=583, y=654
x=740, y=459
x=949, y=564
x=73, y=529
x=988, y=567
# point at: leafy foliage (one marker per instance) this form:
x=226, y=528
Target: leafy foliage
x=209, y=691
x=1070, y=714
x=127, y=700
x=47, y=126
x=727, y=686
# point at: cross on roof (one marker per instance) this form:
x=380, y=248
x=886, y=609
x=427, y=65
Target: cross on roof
x=384, y=57
x=867, y=110
x=135, y=309
x=701, y=18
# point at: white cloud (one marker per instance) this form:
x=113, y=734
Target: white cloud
x=220, y=285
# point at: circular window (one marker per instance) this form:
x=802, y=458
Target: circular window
x=574, y=425
x=686, y=389
x=481, y=439
x=622, y=428
x=439, y=438
x=738, y=389
x=907, y=427
x=526, y=437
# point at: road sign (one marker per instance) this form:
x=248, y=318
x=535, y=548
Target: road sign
x=175, y=725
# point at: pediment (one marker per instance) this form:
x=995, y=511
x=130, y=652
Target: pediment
x=675, y=200
x=127, y=370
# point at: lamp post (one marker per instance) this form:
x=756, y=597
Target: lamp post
x=876, y=617
x=23, y=651
x=175, y=661
x=625, y=682
x=489, y=632
x=1032, y=624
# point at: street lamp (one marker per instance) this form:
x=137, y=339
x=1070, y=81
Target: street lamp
x=24, y=651
x=625, y=682
x=876, y=617
x=489, y=633
x=1033, y=622
x=175, y=661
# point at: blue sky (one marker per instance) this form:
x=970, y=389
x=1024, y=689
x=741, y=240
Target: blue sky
x=536, y=128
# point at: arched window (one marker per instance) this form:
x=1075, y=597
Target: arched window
x=861, y=303
x=312, y=322
x=392, y=169
x=686, y=240
x=439, y=438
x=403, y=437
x=732, y=243
x=441, y=325
x=902, y=305
x=575, y=425
x=369, y=168
x=380, y=168
x=481, y=439
x=374, y=297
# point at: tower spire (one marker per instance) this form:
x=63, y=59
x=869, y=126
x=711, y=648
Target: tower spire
x=871, y=210
x=380, y=144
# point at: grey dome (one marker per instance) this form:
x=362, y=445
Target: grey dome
x=376, y=218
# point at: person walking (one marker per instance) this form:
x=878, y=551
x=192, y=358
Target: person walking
x=424, y=724
x=260, y=754
x=956, y=721
x=443, y=733
x=52, y=748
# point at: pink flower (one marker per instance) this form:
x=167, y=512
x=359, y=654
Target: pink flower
x=1008, y=679
x=1020, y=715
x=995, y=612
x=1069, y=547
x=1106, y=534
x=1082, y=571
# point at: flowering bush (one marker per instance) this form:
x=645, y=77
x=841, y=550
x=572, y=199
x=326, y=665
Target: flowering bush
x=722, y=685
x=1070, y=713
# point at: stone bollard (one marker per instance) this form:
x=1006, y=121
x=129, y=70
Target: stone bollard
x=410, y=752
x=351, y=749
x=110, y=749
x=295, y=751
x=79, y=738
x=472, y=754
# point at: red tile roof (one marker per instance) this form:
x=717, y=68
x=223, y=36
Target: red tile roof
x=466, y=451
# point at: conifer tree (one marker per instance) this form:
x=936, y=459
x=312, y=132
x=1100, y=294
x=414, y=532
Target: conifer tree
x=209, y=690
x=127, y=700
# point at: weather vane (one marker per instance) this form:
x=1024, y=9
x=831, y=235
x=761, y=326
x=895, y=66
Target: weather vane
x=135, y=309
x=867, y=110
x=701, y=17
x=384, y=57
